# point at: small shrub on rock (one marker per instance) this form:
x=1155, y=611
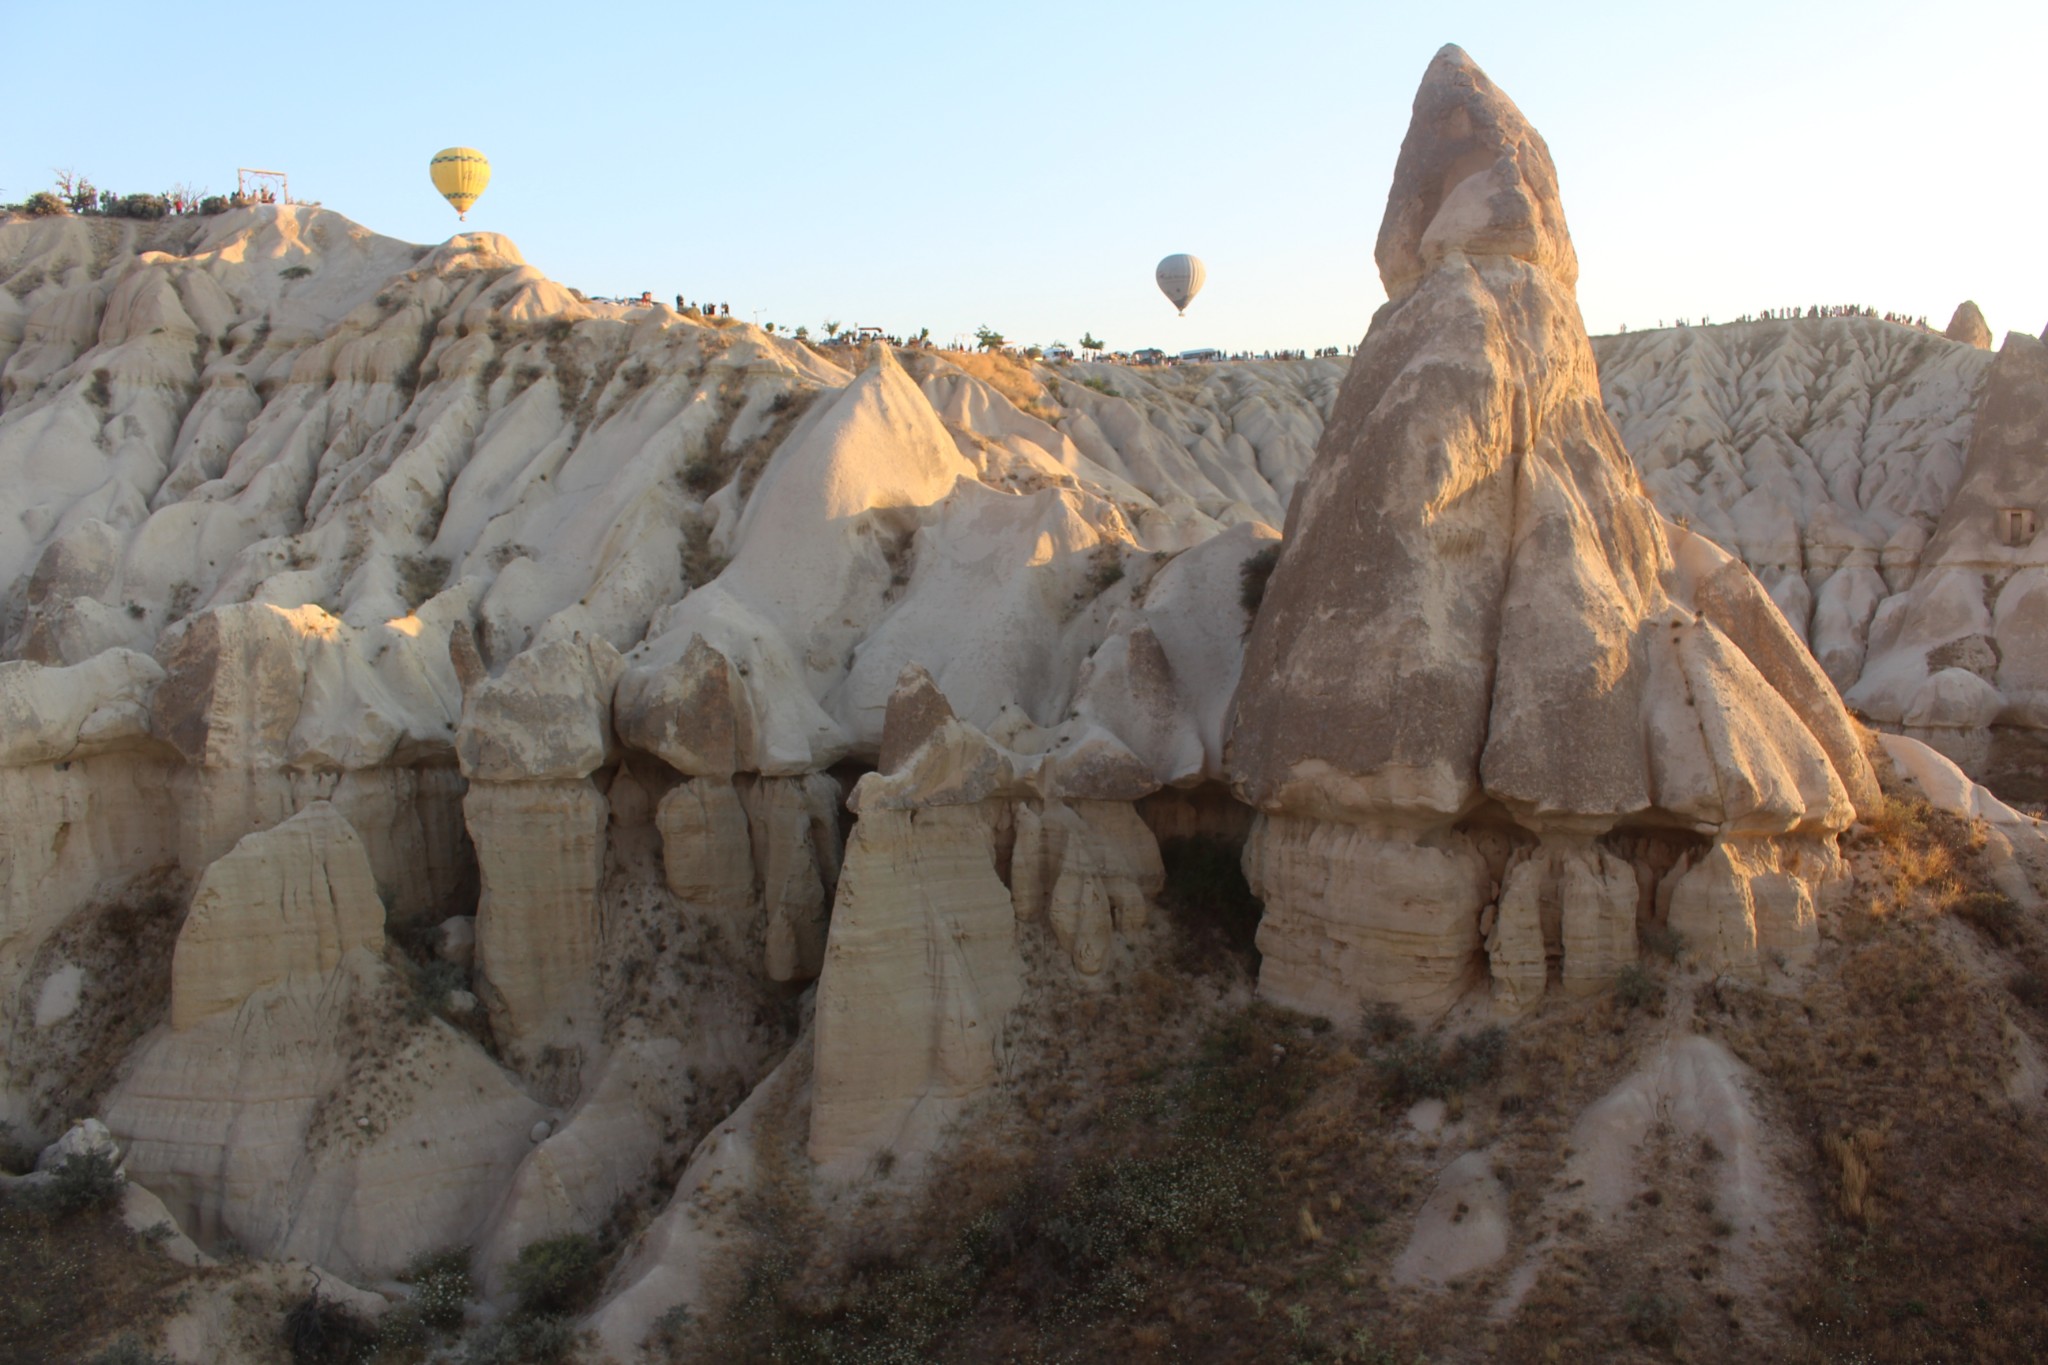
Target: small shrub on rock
x=559, y=1275
x=91, y=1180
x=1652, y=1320
x=1413, y=1069
x=1663, y=941
x=320, y=1331
x=1635, y=987
x=144, y=206
x=131, y=1351
x=441, y=1286
x=1995, y=916
x=521, y=1341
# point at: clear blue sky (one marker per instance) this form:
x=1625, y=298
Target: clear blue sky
x=1025, y=166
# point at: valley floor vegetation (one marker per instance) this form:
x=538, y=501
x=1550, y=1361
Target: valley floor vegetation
x=1179, y=1172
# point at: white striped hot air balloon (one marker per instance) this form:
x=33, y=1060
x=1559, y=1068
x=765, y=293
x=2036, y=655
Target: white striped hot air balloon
x=1180, y=278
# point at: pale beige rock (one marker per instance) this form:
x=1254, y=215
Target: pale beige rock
x=1967, y=325
x=1598, y=898
x=920, y=973
x=916, y=710
x=1958, y=654
x=1748, y=901
x=707, y=853
x=547, y=717
x=691, y=715
x=1518, y=958
x=284, y=906
x=794, y=824
x=1356, y=914
x=52, y=715
x=1478, y=611
x=677, y=1259
x=1092, y=868
x=233, y=681
x=602, y=1153
x=539, y=931
x=1694, y=1094
x=246, y=1125
x=1463, y=1226
x=72, y=833
x=1564, y=899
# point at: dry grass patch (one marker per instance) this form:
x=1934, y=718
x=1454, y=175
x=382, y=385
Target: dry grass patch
x=1893, y=1059
x=1010, y=377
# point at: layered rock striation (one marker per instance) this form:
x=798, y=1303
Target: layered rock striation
x=1485, y=669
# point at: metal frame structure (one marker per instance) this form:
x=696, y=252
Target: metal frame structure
x=249, y=182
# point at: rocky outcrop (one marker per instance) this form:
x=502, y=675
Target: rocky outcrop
x=963, y=845
x=1471, y=572
x=285, y=904
x=1957, y=661
x=539, y=923
x=283, y=1106
x=1967, y=325
x=922, y=970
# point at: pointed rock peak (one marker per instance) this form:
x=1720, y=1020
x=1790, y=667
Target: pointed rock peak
x=916, y=709
x=1968, y=326
x=1473, y=179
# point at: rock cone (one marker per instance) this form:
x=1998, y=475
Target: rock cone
x=1968, y=326
x=1481, y=636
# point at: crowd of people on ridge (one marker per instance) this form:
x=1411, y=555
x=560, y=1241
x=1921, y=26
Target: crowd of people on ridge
x=1812, y=311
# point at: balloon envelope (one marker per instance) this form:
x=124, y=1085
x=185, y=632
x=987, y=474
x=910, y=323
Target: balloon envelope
x=460, y=173
x=1180, y=278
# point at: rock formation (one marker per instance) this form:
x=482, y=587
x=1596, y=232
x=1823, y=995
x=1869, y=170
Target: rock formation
x=1472, y=572
x=1958, y=661
x=1968, y=326
x=541, y=740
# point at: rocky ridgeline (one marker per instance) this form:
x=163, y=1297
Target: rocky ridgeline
x=471, y=751
x=1870, y=475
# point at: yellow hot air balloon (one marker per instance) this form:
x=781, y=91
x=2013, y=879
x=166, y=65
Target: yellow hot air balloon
x=460, y=173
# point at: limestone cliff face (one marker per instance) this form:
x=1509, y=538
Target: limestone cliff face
x=1480, y=623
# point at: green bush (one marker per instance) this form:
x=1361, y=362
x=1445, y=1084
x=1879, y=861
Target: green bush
x=2030, y=989
x=1652, y=1319
x=44, y=204
x=1635, y=987
x=703, y=477
x=441, y=1285
x=320, y=1331
x=1995, y=916
x=1418, y=1069
x=521, y=1341
x=559, y=1275
x=432, y=983
x=81, y=1183
x=144, y=206
x=212, y=204
x=1106, y=574
x=130, y=1351
x=1663, y=941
